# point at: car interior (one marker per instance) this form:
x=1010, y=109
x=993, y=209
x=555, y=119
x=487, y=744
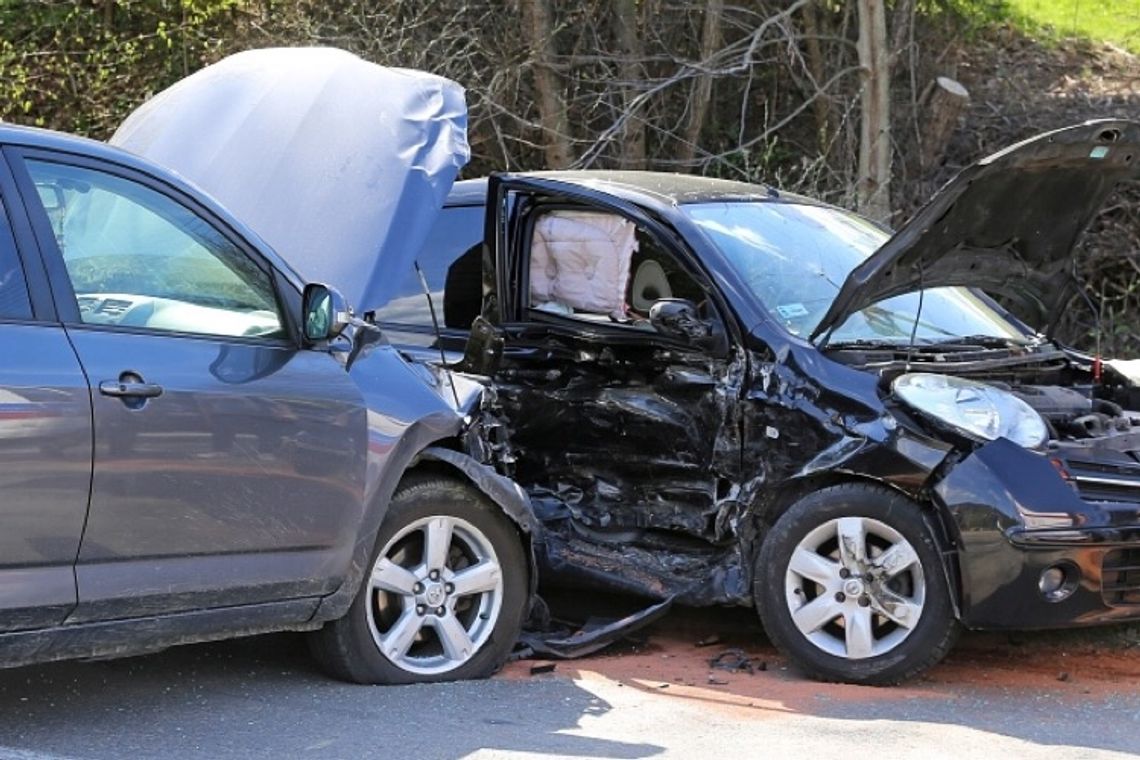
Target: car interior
x=601, y=267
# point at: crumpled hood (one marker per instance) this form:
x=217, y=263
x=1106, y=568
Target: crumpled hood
x=1007, y=224
x=339, y=164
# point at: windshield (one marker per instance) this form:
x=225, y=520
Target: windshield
x=794, y=257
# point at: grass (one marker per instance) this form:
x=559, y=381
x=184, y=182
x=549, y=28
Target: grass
x=1115, y=21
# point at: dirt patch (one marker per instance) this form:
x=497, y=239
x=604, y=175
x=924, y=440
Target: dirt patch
x=674, y=659
x=1039, y=661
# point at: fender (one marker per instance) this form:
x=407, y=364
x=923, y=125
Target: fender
x=417, y=444
x=905, y=461
x=509, y=495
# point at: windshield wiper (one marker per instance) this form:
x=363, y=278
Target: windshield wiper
x=865, y=343
x=926, y=345
x=983, y=341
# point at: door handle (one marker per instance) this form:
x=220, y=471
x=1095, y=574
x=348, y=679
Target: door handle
x=129, y=389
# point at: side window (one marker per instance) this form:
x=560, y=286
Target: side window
x=599, y=266
x=14, y=302
x=137, y=258
x=452, y=263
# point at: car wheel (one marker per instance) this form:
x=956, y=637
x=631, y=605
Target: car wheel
x=850, y=586
x=444, y=596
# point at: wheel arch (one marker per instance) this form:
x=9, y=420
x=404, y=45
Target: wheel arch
x=419, y=451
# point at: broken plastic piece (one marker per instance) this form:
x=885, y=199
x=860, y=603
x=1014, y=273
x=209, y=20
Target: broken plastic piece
x=735, y=660
x=593, y=637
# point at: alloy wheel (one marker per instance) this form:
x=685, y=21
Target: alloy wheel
x=855, y=588
x=434, y=595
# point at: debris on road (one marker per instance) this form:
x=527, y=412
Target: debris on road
x=734, y=660
x=594, y=635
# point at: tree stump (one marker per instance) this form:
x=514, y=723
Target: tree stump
x=944, y=103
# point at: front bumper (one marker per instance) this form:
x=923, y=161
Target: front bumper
x=1016, y=517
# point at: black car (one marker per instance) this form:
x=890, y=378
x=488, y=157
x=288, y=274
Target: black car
x=721, y=393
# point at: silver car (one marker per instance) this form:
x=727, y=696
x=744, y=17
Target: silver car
x=195, y=445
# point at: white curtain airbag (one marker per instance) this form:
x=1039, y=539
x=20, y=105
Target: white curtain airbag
x=581, y=259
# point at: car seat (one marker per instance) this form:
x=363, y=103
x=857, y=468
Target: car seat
x=650, y=284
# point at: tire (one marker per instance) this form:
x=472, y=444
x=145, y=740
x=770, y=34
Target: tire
x=877, y=619
x=409, y=625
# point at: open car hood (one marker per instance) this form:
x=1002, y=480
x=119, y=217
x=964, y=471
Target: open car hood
x=1006, y=225
x=339, y=164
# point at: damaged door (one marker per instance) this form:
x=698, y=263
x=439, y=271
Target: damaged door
x=619, y=383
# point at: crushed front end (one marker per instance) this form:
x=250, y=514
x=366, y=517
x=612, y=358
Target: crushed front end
x=1049, y=536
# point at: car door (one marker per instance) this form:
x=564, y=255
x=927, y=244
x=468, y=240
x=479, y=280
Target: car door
x=626, y=426
x=228, y=463
x=45, y=436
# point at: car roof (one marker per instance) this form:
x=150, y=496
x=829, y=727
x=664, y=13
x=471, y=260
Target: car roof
x=35, y=137
x=664, y=187
x=62, y=142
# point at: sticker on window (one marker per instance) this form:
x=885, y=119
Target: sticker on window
x=792, y=310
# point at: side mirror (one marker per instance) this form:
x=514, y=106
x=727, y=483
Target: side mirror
x=678, y=318
x=325, y=313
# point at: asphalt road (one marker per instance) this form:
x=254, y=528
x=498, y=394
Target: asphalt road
x=262, y=698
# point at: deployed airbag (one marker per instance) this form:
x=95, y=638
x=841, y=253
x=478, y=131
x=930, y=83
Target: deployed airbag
x=341, y=165
x=581, y=260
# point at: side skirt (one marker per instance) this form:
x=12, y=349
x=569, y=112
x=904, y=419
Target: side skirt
x=123, y=638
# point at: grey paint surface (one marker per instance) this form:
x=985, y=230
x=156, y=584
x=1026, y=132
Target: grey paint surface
x=319, y=151
x=241, y=483
x=261, y=473
x=45, y=471
x=258, y=698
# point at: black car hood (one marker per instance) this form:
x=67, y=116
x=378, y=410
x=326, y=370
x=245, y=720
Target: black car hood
x=1006, y=225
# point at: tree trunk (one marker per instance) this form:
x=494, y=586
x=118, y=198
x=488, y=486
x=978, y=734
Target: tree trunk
x=944, y=102
x=632, y=73
x=821, y=106
x=901, y=25
x=873, y=188
x=538, y=22
x=702, y=88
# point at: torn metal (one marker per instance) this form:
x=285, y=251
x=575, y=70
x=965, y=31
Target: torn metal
x=596, y=634
x=339, y=164
x=658, y=461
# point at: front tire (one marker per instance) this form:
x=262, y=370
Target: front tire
x=444, y=596
x=850, y=587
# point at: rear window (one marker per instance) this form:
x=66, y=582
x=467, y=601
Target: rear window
x=452, y=263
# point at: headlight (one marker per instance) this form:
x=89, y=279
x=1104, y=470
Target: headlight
x=976, y=409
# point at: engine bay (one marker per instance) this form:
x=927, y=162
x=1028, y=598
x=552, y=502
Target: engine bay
x=1077, y=404
x=1075, y=413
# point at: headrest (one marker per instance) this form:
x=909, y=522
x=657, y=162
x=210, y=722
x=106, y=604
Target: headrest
x=649, y=285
